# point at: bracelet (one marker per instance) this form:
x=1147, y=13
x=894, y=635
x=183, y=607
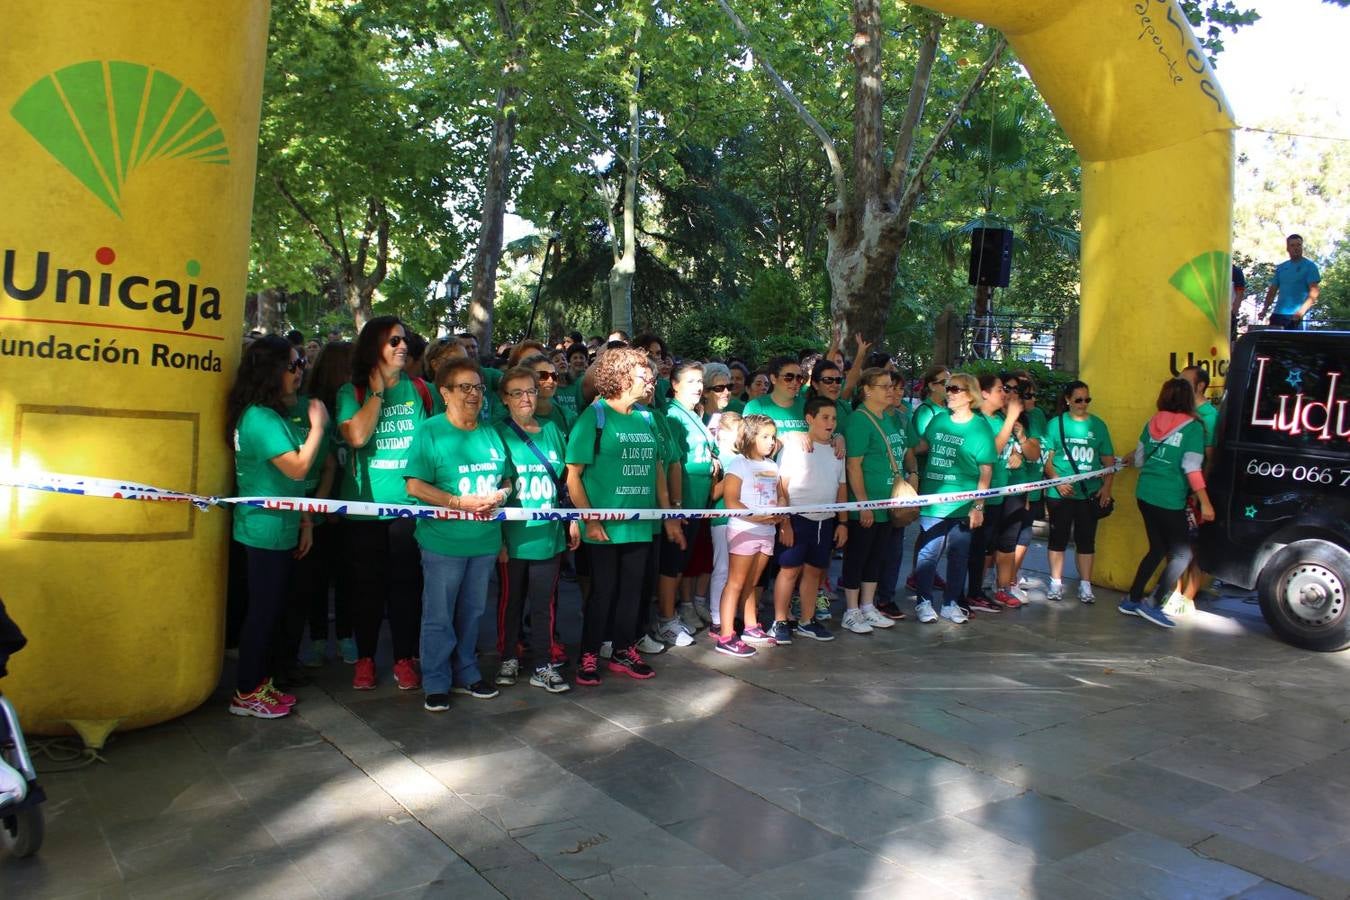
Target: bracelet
x=978, y=507
x=379, y=394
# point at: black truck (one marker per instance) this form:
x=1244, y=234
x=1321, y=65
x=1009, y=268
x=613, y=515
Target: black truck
x=1280, y=483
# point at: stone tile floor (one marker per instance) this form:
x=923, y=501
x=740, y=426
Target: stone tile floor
x=1059, y=751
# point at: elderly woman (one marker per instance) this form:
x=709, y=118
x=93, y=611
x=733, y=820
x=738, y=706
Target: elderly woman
x=529, y=562
x=546, y=407
x=377, y=413
x=457, y=462
x=615, y=461
x=274, y=452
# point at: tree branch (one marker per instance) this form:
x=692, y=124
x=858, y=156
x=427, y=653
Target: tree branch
x=831, y=152
x=916, y=182
x=309, y=221
x=363, y=248
x=918, y=99
x=381, y=248
x=342, y=231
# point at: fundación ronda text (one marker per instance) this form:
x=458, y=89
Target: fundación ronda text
x=109, y=352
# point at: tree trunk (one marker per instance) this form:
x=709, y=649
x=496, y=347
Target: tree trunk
x=496, y=191
x=356, y=292
x=862, y=263
x=625, y=262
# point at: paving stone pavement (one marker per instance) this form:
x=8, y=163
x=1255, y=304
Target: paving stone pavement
x=1061, y=750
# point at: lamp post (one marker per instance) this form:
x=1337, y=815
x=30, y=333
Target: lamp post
x=452, y=286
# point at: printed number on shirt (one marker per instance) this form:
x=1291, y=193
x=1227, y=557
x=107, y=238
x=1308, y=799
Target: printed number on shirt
x=482, y=485
x=1082, y=454
x=534, y=488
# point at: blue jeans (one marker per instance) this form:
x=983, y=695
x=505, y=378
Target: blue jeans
x=935, y=537
x=454, y=594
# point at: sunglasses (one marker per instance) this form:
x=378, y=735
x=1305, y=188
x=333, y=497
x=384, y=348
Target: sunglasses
x=829, y=379
x=468, y=389
x=546, y=376
x=791, y=377
x=718, y=388
x=297, y=365
x=396, y=339
x=517, y=393
x=953, y=389
x=1081, y=400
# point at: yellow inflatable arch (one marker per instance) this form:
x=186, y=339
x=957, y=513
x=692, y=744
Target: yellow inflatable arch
x=130, y=129
x=1130, y=85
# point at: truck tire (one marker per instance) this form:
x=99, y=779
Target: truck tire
x=1303, y=595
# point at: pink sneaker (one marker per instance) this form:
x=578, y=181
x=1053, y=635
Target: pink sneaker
x=405, y=673
x=261, y=704
x=283, y=699
x=363, y=675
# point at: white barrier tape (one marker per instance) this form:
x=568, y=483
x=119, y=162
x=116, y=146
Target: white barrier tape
x=125, y=490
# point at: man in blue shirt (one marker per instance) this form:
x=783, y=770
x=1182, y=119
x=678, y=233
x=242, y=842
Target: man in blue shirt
x=1297, y=281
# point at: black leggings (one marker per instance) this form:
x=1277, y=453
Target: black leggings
x=269, y=575
x=1078, y=517
x=385, y=571
x=616, y=594
x=1167, y=536
x=864, y=553
x=539, y=579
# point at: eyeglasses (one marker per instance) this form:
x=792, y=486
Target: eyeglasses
x=1081, y=400
x=297, y=365
x=468, y=389
x=830, y=379
x=941, y=384
x=644, y=377
x=396, y=339
x=718, y=388
x=517, y=393
x=884, y=385
x=546, y=376
x=791, y=377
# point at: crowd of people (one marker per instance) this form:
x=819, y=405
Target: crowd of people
x=620, y=424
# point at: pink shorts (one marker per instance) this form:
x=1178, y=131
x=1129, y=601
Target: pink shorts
x=748, y=543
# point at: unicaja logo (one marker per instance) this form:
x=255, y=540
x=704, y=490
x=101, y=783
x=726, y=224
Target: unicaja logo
x=1205, y=281
x=103, y=120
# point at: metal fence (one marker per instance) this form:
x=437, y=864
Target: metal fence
x=1009, y=337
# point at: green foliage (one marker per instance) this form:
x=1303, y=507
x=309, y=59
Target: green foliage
x=714, y=333
x=1334, y=301
x=1049, y=382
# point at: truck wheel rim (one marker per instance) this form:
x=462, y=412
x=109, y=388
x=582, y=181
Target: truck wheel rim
x=1313, y=594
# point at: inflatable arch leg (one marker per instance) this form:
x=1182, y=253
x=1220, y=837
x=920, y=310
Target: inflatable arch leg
x=130, y=129
x=1134, y=92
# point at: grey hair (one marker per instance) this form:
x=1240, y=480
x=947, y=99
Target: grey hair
x=713, y=369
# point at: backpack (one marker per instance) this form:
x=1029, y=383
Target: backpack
x=418, y=384
x=599, y=407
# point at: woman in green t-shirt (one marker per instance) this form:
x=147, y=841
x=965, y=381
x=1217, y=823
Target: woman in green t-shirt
x=876, y=446
x=1170, y=458
x=529, y=561
x=377, y=414
x=784, y=403
x=1076, y=441
x=614, y=461
x=961, y=457
x=458, y=462
x=828, y=381
x=546, y=407
x=269, y=461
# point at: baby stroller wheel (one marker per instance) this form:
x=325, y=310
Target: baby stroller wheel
x=22, y=830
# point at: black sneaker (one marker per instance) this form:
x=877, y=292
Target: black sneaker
x=436, y=702
x=479, y=690
x=629, y=662
x=781, y=632
x=888, y=609
x=815, y=631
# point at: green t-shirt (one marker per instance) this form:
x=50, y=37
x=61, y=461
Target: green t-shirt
x=297, y=419
x=375, y=472
x=1087, y=441
x=843, y=411
x=863, y=439
x=1161, y=479
x=919, y=420
x=623, y=475
x=1002, y=476
x=534, y=487
x=493, y=408
x=1209, y=417
x=694, y=448
x=736, y=405
x=1034, y=471
x=261, y=435
x=556, y=414
x=787, y=419
x=568, y=396
x=461, y=463
x=955, y=453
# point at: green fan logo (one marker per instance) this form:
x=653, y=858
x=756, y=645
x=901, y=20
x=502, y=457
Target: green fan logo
x=102, y=120
x=1206, y=282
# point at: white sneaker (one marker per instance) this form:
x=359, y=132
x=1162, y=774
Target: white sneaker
x=952, y=613
x=855, y=622
x=607, y=649
x=651, y=646
x=672, y=631
x=924, y=610
x=872, y=616
x=1055, y=591
x=1017, y=591
x=691, y=620
x=509, y=672
x=1085, y=594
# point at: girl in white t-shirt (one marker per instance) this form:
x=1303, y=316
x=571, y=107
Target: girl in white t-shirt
x=751, y=482
x=728, y=430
